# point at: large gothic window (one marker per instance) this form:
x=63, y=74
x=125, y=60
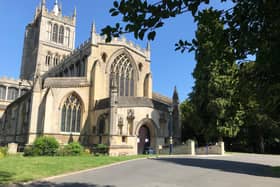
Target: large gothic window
x=61, y=35
x=71, y=114
x=49, y=31
x=12, y=93
x=123, y=70
x=67, y=37
x=2, y=92
x=55, y=33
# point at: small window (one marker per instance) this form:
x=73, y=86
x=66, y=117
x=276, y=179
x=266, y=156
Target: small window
x=140, y=66
x=124, y=139
x=55, y=60
x=104, y=57
x=48, y=60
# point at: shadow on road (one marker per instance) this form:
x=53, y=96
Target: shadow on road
x=50, y=184
x=224, y=165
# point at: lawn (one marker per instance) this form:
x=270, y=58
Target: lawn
x=22, y=169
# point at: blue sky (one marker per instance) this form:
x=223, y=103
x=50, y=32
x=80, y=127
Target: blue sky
x=169, y=67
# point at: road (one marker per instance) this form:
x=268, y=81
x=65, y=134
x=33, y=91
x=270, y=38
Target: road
x=241, y=170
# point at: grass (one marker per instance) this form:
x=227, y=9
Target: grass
x=21, y=169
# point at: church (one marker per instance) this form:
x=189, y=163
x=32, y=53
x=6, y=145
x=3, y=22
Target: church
x=97, y=93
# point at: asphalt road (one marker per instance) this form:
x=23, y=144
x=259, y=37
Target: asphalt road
x=246, y=170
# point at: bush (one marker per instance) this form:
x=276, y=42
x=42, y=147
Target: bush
x=28, y=151
x=42, y=146
x=1, y=155
x=73, y=149
x=100, y=149
x=3, y=151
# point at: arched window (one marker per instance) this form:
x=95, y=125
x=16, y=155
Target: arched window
x=55, y=60
x=71, y=114
x=123, y=70
x=2, y=92
x=67, y=37
x=49, y=31
x=48, y=59
x=61, y=35
x=55, y=33
x=12, y=93
x=146, y=85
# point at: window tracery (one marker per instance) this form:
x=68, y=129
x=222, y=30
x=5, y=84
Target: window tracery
x=124, y=72
x=71, y=115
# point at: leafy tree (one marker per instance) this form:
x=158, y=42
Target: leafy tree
x=192, y=127
x=213, y=95
x=260, y=129
x=253, y=25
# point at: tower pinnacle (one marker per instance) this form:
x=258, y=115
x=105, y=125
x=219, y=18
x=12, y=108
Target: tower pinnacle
x=43, y=4
x=175, y=95
x=56, y=8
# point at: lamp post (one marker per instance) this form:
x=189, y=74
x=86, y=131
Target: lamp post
x=170, y=128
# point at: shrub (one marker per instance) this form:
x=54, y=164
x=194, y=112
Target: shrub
x=4, y=151
x=28, y=151
x=42, y=146
x=100, y=149
x=1, y=155
x=45, y=146
x=87, y=151
x=73, y=149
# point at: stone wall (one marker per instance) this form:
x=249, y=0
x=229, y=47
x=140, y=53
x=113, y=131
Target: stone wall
x=212, y=149
x=187, y=148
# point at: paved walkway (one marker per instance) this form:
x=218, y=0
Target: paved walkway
x=244, y=170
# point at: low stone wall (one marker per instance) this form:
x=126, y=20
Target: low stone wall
x=217, y=149
x=187, y=148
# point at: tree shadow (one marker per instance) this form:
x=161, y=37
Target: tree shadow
x=224, y=165
x=51, y=184
x=5, y=177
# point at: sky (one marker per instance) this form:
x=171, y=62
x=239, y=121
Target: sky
x=170, y=68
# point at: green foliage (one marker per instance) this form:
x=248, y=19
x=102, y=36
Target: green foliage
x=213, y=97
x=100, y=149
x=3, y=151
x=28, y=151
x=42, y=146
x=73, y=149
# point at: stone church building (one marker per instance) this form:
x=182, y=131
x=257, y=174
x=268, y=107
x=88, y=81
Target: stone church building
x=97, y=93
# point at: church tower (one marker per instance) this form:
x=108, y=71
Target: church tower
x=48, y=39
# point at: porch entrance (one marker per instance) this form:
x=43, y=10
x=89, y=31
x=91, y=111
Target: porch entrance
x=144, y=139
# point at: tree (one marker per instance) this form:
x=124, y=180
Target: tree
x=215, y=76
x=253, y=25
x=192, y=126
x=260, y=129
